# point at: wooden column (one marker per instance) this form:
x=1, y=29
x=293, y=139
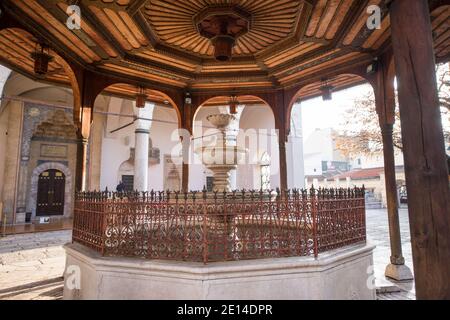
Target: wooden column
x=185, y=173
x=82, y=150
x=385, y=106
x=86, y=87
x=283, y=163
x=280, y=109
x=186, y=126
x=397, y=269
x=423, y=143
x=391, y=194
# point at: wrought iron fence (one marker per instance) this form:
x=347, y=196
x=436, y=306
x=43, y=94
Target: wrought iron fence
x=210, y=227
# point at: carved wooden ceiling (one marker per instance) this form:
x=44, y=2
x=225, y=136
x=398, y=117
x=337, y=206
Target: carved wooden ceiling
x=156, y=41
x=273, y=22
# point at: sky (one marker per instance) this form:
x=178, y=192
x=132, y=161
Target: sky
x=319, y=114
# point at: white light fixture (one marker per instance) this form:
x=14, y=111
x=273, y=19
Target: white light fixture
x=373, y=67
x=187, y=98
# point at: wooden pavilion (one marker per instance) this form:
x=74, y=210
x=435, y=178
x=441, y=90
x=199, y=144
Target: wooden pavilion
x=194, y=53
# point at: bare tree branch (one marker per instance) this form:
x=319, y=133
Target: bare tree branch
x=361, y=133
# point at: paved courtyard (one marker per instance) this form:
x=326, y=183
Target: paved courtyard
x=378, y=234
x=32, y=265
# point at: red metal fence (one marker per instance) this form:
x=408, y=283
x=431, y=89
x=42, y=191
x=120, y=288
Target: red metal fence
x=209, y=227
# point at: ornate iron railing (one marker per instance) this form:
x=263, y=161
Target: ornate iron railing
x=210, y=227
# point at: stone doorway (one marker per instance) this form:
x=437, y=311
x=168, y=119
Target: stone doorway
x=50, y=194
x=67, y=192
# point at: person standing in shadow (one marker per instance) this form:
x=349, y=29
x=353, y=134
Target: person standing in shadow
x=120, y=187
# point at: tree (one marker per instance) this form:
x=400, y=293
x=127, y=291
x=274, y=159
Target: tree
x=360, y=132
x=444, y=90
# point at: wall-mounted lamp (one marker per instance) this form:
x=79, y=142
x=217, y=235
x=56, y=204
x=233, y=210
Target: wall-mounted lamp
x=233, y=104
x=373, y=67
x=42, y=58
x=327, y=90
x=187, y=98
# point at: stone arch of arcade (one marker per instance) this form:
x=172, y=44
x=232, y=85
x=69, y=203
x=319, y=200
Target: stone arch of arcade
x=121, y=118
x=93, y=85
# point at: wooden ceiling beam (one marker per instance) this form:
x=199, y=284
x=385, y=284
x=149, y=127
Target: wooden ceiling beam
x=299, y=60
x=443, y=59
x=136, y=81
x=92, y=20
x=318, y=93
x=366, y=33
x=162, y=67
x=104, y=5
x=434, y=4
x=135, y=6
x=143, y=24
x=303, y=19
x=356, y=67
x=29, y=25
x=82, y=36
x=353, y=14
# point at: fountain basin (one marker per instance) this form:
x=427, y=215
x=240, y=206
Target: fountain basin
x=221, y=120
x=222, y=155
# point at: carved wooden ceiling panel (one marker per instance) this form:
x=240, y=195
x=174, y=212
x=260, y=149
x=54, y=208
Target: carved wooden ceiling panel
x=16, y=48
x=158, y=41
x=272, y=22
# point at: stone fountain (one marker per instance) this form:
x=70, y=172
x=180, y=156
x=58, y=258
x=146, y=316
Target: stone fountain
x=224, y=156
x=221, y=158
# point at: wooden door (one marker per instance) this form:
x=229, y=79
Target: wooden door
x=128, y=182
x=50, y=196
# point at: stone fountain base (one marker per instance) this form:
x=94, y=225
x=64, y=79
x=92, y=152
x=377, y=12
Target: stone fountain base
x=340, y=274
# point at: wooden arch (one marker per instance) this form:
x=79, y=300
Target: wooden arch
x=341, y=80
x=127, y=91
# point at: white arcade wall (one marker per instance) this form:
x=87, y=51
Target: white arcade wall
x=115, y=147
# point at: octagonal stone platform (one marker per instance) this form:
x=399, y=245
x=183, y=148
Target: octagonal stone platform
x=341, y=274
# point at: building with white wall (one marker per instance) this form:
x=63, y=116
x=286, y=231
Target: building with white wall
x=321, y=154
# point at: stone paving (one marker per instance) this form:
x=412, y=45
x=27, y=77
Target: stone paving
x=31, y=265
x=378, y=234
